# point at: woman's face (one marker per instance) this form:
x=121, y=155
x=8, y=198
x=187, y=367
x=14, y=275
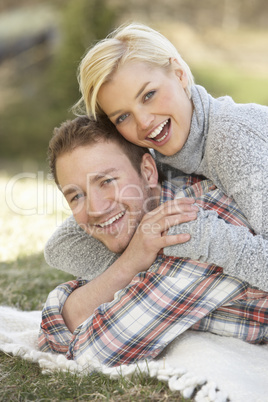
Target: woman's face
x=149, y=105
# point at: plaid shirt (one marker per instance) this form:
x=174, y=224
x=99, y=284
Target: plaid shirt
x=175, y=294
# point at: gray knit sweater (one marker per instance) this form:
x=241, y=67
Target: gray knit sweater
x=228, y=143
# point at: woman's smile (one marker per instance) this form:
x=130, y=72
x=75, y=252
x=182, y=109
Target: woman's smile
x=149, y=105
x=160, y=133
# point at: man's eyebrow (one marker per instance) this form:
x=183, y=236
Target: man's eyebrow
x=102, y=174
x=74, y=188
x=136, y=96
x=70, y=190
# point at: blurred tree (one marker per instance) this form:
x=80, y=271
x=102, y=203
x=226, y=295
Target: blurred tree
x=84, y=22
x=231, y=14
x=49, y=92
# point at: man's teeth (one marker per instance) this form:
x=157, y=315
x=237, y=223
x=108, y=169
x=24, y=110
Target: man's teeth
x=158, y=130
x=111, y=220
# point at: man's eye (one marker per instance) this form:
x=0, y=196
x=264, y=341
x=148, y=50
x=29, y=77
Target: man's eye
x=149, y=95
x=121, y=118
x=107, y=181
x=77, y=197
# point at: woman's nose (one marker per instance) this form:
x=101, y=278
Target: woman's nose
x=144, y=120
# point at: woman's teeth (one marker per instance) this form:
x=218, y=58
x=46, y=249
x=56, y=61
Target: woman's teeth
x=111, y=220
x=162, y=138
x=157, y=131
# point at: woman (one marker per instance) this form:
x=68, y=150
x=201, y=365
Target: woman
x=138, y=79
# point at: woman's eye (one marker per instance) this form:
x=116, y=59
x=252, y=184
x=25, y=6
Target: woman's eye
x=149, y=95
x=121, y=118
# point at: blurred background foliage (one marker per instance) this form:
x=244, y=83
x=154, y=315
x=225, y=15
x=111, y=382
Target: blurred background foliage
x=43, y=80
x=42, y=42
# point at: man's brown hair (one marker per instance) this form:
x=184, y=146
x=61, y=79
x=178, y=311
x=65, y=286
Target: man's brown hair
x=83, y=131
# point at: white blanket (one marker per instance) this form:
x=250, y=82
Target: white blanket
x=217, y=367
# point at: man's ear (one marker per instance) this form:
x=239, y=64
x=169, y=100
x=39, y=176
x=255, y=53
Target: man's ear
x=149, y=170
x=179, y=71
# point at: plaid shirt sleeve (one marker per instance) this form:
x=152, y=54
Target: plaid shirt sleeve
x=158, y=305
x=207, y=196
x=54, y=334
x=153, y=310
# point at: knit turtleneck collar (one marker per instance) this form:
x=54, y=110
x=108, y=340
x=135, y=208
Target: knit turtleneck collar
x=188, y=159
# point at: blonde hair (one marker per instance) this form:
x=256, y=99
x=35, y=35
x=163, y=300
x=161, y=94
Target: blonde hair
x=133, y=42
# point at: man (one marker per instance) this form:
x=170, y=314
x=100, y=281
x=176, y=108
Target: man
x=145, y=299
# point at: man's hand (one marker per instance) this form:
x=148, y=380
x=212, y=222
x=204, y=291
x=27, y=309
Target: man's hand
x=151, y=234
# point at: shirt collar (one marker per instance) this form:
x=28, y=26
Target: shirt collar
x=168, y=192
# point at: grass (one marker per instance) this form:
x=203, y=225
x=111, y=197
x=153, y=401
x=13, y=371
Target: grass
x=26, y=282
x=27, y=219
x=23, y=381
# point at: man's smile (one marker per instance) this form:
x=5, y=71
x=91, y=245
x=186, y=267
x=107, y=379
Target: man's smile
x=111, y=220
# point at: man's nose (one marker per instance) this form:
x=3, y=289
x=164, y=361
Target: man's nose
x=97, y=204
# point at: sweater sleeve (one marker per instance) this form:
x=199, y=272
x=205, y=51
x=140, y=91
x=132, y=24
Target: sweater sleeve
x=234, y=248
x=238, y=164
x=72, y=250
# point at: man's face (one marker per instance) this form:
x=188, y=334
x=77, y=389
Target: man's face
x=107, y=196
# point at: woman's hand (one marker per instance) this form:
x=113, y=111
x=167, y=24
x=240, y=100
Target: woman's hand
x=149, y=238
x=151, y=235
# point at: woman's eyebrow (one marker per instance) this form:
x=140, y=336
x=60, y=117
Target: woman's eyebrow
x=114, y=113
x=142, y=89
x=136, y=96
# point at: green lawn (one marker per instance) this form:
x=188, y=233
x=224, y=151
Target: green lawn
x=23, y=381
